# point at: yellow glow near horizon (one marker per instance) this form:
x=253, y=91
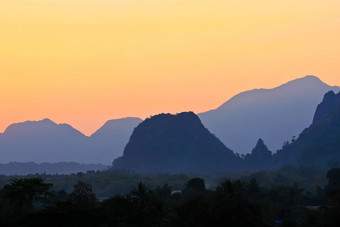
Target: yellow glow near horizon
x=87, y=61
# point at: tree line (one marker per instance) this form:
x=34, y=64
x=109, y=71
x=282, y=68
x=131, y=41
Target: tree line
x=31, y=202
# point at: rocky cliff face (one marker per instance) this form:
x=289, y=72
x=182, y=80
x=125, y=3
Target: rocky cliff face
x=319, y=144
x=175, y=144
x=329, y=104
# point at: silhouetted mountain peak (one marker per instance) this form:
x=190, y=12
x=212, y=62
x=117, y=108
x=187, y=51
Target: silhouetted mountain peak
x=300, y=85
x=174, y=143
x=46, y=141
x=27, y=125
x=47, y=121
x=244, y=118
x=185, y=118
x=329, y=96
x=260, y=144
x=317, y=145
x=262, y=95
x=260, y=148
x=116, y=126
x=311, y=78
x=42, y=127
x=307, y=80
x=329, y=105
x=259, y=158
x=114, y=121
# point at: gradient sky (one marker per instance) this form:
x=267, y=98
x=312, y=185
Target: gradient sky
x=87, y=61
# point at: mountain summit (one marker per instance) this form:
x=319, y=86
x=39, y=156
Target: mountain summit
x=260, y=157
x=46, y=141
x=42, y=141
x=276, y=115
x=330, y=104
x=175, y=144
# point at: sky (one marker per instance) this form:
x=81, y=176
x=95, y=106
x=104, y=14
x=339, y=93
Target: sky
x=83, y=62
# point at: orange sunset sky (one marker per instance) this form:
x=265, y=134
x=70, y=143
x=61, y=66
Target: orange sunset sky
x=87, y=61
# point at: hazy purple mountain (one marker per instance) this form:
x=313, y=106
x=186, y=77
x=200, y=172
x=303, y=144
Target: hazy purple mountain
x=46, y=141
x=319, y=144
x=109, y=141
x=42, y=141
x=275, y=115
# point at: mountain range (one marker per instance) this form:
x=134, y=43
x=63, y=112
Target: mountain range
x=181, y=144
x=319, y=144
x=46, y=141
x=275, y=115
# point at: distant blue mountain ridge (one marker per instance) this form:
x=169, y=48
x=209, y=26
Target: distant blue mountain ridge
x=275, y=115
x=46, y=141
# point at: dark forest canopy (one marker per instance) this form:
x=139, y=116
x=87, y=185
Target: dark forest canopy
x=33, y=202
x=109, y=183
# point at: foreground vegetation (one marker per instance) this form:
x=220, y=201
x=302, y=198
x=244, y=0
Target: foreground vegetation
x=239, y=202
x=110, y=183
